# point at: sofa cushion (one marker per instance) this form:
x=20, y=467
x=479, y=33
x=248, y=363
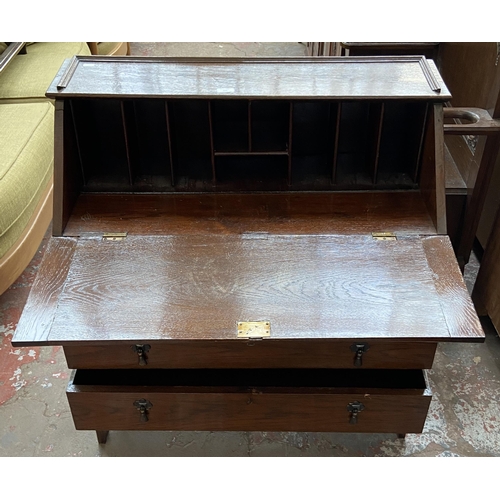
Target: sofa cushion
x=3, y=46
x=29, y=75
x=26, y=164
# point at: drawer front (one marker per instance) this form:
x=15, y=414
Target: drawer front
x=255, y=354
x=308, y=400
x=115, y=410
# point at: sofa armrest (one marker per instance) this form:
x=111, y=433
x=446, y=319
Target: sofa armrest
x=9, y=53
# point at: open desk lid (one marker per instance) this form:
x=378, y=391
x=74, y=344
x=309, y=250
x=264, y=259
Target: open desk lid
x=388, y=78
x=200, y=287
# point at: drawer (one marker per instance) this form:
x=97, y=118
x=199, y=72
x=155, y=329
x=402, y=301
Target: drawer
x=265, y=353
x=250, y=400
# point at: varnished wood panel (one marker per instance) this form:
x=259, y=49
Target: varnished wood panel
x=68, y=174
x=199, y=286
x=266, y=78
x=254, y=407
x=284, y=213
x=38, y=314
x=432, y=176
x=266, y=353
x=456, y=303
x=471, y=72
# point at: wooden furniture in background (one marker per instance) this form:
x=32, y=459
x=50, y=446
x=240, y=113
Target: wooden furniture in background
x=323, y=48
x=486, y=293
x=109, y=48
x=237, y=248
x=427, y=49
x=472, y=73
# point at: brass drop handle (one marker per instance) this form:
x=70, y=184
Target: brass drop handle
x=141, y=350
x=143, y=406
x=354, y=408
x=359, y=350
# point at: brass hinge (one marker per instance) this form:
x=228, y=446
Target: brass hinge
x=254, y=329
x=384, y=236
x=114, y=236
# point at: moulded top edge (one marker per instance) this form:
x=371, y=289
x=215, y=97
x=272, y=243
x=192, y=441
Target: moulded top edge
x=382, y=77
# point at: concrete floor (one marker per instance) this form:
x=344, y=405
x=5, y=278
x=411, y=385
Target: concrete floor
x=464, y=418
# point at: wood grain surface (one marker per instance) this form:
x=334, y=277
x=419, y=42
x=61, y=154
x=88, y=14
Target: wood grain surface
x=277, y=213
x=287, y=78
x=303, y=405
x=40, y=309
x=197, y=287
x=268, y=353
x=456, y=302
x=432, y=175
x=486, y=293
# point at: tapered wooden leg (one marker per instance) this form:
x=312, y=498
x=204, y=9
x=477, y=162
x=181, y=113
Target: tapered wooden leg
x=102, y=436
x=401, y=436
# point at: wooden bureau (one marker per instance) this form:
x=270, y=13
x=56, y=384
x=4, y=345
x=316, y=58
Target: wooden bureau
x=249, y=244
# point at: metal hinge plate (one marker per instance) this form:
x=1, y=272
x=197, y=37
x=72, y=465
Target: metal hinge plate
x=254, y=329
x=114, y=236
x=384, y=236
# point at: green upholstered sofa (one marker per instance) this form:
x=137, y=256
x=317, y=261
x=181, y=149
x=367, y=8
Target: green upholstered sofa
x=27, y=151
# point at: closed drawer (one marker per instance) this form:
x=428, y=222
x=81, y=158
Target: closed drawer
x=250, y=400
x=265, y=353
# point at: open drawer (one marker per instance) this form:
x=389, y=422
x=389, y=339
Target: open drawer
x=250, y=400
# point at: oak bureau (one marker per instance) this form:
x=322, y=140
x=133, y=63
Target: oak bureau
x=249, y=244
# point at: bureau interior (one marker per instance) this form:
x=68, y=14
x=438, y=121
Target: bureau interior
x=143, y=145
x=153, y=146
x=246, y=379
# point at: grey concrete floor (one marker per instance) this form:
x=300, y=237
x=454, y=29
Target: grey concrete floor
x=464, y=418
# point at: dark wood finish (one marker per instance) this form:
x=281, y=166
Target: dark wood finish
x=473, y=76
x=458, y=310
x=427, y=49
x=319, y=406
x=259, y=277
x=69, y=176
x=486, y=293
x=366, y=288
x=473, y=121
x=283, y=213
x=432, y=177
x=476, y=198
x=475, y=201
x=470, y=72
x=265, y=78
x=40, y=309
x=102, y=436
x=227, y=222
x=241, y=353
